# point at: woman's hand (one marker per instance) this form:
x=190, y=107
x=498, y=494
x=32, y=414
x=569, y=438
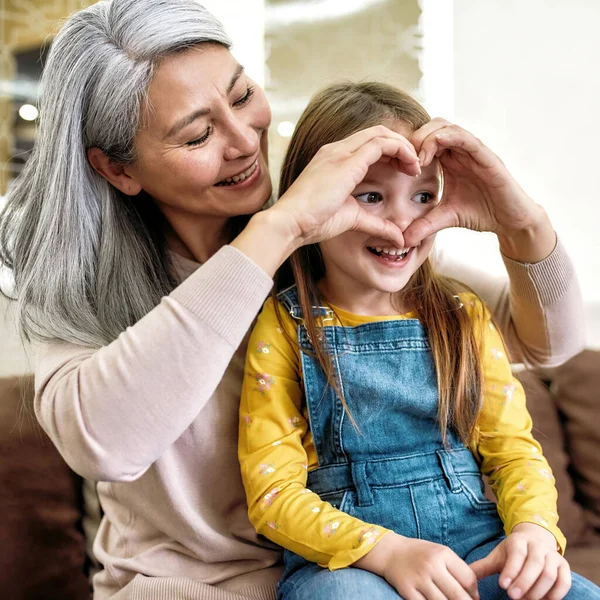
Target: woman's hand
x=319, y=205
x=421, y=570
x=529, y=564
x=479, y=194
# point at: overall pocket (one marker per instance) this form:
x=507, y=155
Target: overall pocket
x=338, y=500
x=473, y=489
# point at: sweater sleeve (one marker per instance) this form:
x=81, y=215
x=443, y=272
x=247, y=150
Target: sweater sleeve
x=539, y=308
x=273, y=442
x=113, y=411
x=506, y=449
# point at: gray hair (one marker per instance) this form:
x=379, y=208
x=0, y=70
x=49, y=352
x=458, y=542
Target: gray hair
x=87, y=260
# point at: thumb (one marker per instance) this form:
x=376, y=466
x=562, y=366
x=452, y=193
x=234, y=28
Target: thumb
x=380, y=228
x=439, y=218
x=490, y=565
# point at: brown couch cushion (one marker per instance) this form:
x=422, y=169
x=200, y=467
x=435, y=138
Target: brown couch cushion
x=548, y=431
x=576, y=386
x=43, y=550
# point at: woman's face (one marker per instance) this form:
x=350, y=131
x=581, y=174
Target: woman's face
x=202, y=149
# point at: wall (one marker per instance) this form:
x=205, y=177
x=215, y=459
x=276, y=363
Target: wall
x=244, y=21
x=525, y=80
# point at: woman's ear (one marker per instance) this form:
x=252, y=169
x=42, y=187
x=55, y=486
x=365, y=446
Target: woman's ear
x=113, y=172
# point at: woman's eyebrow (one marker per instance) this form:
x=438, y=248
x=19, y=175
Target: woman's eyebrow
x=236, y=76
x=201, y=112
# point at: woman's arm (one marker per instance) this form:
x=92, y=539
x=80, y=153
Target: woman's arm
x=112, y=412
x=538, y=307
x=541, y=312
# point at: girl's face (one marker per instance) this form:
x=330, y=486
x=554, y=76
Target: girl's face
x=362, y=272
x=205, y=127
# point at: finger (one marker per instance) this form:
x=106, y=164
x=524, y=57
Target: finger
x=484, y=567
x=452, y=589
x=516, y=556
x=440, y=217
x=418, y=137
x=412, y=595
x=458, y=139
x=532, y=568
x=463, y=575
x=353, y=142
x=373, y=150
x=431, y=591
x=547, y=579
x=563, y=582
x=380, y=228
x=430, y=146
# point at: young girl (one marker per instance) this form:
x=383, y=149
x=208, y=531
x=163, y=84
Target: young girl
x=377, y=392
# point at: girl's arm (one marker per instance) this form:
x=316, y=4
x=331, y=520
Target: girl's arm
x=538, y=308
x=509, y=455
x=276, y=452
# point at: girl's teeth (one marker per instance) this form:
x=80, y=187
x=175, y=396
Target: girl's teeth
x=397, y=252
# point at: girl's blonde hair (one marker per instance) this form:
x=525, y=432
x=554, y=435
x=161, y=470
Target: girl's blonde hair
x=333, y=114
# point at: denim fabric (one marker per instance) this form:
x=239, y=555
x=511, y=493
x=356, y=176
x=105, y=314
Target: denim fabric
x=393, y=470
x=315, y=583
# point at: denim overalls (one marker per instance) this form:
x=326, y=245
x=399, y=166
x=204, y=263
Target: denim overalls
x=394, y=470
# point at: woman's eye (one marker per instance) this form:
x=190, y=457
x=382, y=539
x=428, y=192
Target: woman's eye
x=200, y=140
x=369, y=197
x=246, y=97
x=423, y=197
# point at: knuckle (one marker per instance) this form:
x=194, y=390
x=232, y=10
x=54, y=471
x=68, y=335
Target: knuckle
x=548, y=573
x=325, y=149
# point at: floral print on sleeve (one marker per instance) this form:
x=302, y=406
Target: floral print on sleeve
x=508, y=453
x=276, y=453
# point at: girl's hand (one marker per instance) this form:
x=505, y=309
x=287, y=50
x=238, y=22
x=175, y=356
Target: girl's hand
x=479, y=192
x=319, y=205
x=421, y=570
x=530, y=567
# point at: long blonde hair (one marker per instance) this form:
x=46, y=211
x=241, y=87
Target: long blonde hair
x=333, y=114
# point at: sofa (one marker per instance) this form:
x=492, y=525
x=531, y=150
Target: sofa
x=42, y=516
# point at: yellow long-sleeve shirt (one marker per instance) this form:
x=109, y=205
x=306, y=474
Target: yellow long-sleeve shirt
x=276, y=449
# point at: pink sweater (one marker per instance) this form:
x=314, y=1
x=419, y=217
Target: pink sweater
x=153, y=418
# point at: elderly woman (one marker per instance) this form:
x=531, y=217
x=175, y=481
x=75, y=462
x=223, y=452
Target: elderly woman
x=141, y=257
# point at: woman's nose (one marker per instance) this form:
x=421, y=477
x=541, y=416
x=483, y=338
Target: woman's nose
x=242, y=140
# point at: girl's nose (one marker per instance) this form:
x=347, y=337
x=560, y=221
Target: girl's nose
x=242, y=140
x=400, y=214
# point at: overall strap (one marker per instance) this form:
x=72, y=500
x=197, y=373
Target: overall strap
x=289, y=298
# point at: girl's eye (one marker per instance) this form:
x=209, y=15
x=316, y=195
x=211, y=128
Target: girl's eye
x=423, y=197
x=369, y=197
x=246, y=98
x=200, y=140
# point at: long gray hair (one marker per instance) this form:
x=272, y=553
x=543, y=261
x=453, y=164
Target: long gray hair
x=87, y=260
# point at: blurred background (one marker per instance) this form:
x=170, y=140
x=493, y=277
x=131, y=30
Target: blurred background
x=521, y=75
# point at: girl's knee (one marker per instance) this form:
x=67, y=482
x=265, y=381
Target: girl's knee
x=346, y=584
x=582, y=589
